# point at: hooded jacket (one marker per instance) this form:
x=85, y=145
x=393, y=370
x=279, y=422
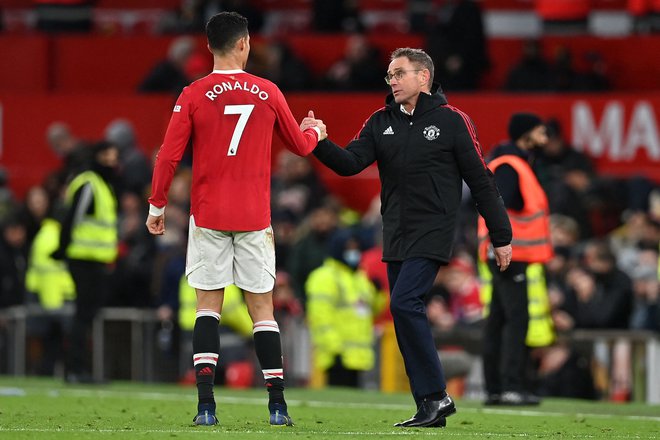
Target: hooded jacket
x=422, y=160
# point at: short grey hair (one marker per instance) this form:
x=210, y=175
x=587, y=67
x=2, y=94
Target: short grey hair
x=417, y=56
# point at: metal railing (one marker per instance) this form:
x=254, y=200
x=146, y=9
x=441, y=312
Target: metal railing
x=143, y=323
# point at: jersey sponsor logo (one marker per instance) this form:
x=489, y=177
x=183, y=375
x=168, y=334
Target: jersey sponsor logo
x=177, y=108
x=431, y=132
x=388, y=130
x=229, y=86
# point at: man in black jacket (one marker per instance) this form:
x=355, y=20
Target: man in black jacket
x=424, y=149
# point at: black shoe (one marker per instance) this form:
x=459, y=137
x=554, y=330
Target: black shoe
x=493, y=399
x=515, y=398
x=431, y=414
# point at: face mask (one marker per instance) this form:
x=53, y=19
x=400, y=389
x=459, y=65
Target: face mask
x=352, y=257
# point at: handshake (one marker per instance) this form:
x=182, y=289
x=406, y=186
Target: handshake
x=310, y=121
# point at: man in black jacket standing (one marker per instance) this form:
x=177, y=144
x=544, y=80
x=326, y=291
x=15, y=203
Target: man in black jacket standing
x=424, y=149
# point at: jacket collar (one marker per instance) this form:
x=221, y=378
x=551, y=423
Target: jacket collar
x=425, y=102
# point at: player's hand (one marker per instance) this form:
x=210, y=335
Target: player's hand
x=321, y=126
x=308, y=122
x=156, y=224
x=503, y=256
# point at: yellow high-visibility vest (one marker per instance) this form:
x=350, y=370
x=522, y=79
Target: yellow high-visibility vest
x=341, y=305
x=94, y=237
x=234, y=311
x=540, y=331
x=46, y=277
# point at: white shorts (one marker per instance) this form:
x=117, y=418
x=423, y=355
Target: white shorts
x=216, y=259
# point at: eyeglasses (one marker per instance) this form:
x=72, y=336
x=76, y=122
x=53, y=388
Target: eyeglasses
x=398, y=75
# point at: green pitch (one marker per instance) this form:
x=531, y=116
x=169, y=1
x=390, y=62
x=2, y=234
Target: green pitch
x=48, y=409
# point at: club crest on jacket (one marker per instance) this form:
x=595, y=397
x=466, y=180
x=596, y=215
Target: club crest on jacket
x=431, y=132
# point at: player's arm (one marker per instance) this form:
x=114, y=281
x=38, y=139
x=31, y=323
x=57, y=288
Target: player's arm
x=484, y=191
x=358, y=155
x=168, y=157
x=299, y=142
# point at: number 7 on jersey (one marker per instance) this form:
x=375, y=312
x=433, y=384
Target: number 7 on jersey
x=244, y=111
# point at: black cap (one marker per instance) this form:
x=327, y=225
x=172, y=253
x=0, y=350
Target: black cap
x=521, y=123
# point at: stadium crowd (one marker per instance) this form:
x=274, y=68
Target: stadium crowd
x=605, y=231
x=604, y=275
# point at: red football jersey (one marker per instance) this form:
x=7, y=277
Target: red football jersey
x=229, y=117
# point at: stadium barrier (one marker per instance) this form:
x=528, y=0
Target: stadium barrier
x=640, y=348
x=140, y=347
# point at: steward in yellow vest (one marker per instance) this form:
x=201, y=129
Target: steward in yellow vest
x=341, y=305
x=518, y=315
x=89, y=243
x=50, y=281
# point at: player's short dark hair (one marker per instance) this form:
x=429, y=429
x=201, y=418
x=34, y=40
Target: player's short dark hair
x=416, y=56
x=223, y=30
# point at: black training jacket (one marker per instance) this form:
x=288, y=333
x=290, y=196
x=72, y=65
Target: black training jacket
x=421, y=161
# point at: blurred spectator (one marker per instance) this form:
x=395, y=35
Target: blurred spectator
x=600, y=295
x=284, y=224
x=50, y=281
x=463, y=287
x=637, y=233
x=192, y=15
x=563, y=75
x=336, y=16
x=131, y=282
x=341, y=306
x=564, y=235
x=277, y=62
x=7, y=200
x=646, y=308
x=595, y=78
x=72, y=152
x=295, y=186
x=310, y=250
x=360, y=68
x=134, y=167
x=531, y=73
x=457, y=44
x=13, y=260
x=291, y=319
x=566, y=175
x=34, y=209
x=564, y=372
x=168, y=75
x=64, y=16
x=198, y=66
x=285, y=302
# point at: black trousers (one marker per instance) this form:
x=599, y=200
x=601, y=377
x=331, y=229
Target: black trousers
x=505, y=353
x=340, y=376
x=410, y=281
x=91, y=279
